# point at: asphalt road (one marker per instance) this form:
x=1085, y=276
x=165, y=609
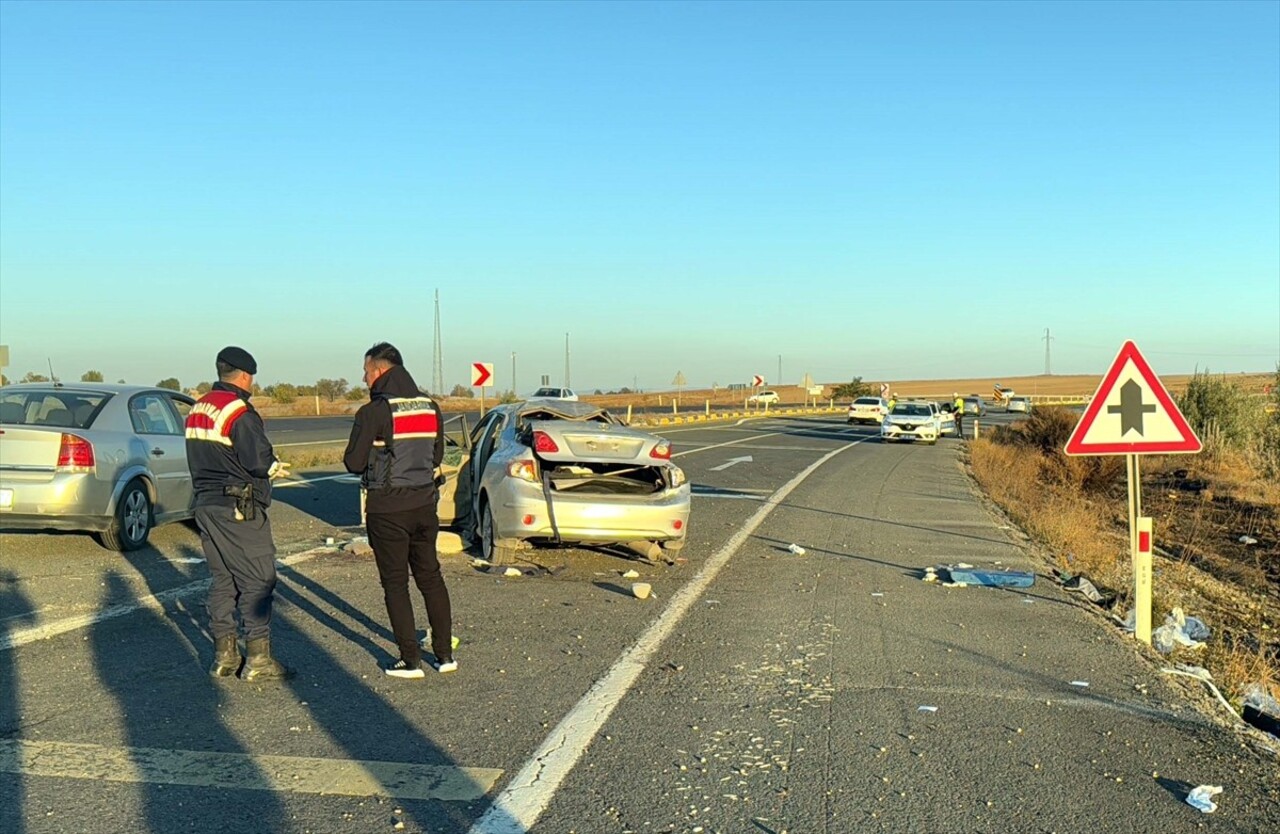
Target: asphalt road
x=758, y=691
x=289, y=432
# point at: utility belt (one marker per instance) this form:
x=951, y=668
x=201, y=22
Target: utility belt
x=246, y=509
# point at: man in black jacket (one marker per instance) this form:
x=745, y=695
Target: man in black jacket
x=232, y=465
x=396, y=445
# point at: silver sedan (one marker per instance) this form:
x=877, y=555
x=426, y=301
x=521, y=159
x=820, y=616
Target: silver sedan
x=567, y=472
x=109, y=459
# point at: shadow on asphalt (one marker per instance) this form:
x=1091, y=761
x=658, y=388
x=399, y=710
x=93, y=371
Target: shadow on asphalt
x=321, y=504
x=166, y=699
x=11, y=784
x=903, y=524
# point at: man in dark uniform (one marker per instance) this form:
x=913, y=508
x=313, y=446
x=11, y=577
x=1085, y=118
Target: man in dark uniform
x=396, y=447
x=232, y=465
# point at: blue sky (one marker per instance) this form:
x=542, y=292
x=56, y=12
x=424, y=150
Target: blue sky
x=894, y=191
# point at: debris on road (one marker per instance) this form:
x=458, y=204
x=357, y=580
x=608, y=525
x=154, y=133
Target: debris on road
x=877, y=593
x=631, y=574
x=507, y=571
x=359, y=546
x=1261, y=709
x=1202, y=674
x=328, y=540
x=796, y=549
x=480, y=563
x=1201, y=798
x=1081, y=684
x=923, y=708
x=641, y=590
x=1086, y=587
x=962, y=575
x=1247, y=540
x=1179, y=630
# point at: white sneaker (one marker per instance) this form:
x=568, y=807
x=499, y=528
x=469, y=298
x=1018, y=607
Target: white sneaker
x=442, y=666
x=400, y=669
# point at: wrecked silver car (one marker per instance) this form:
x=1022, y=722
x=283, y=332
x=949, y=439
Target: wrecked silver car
x=558, y=471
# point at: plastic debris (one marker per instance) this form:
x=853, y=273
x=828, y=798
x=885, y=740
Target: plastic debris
x=631, y=574
x=1081, y=684
x=1201, y=674
x=328, y=540
x=877, y=593
x=923, y=708
x=930, y=575
x=1086, y=587
x=1201, y=798
x=512, y=572
x=1247, y=540
x=1002, y=578
x=641, y=590
x=1261, y=709
x=796, y=549
x=479, y=563
x=1179, y=630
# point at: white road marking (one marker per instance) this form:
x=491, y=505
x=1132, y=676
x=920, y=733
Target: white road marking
x=154, y=602
x=519, y=806
x=733, y=462
x=240, y=771
x=726, y=443
x=345, y=478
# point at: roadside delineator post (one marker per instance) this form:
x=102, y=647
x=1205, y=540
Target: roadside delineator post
x=628, y=414
x=1142, y=581
x=975, y=428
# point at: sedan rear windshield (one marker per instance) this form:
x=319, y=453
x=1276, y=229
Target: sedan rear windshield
x=52, y=407
x=866, y=401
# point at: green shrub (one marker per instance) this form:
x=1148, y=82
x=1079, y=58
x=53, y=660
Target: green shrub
x=1222, y=414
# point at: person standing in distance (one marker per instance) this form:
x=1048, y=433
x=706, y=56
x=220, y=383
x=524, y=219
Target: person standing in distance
x=396, y=447
x=232, y=465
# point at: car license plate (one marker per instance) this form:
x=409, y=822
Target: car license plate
x=6, y=499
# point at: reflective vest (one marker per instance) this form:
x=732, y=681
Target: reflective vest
x=407, y=461
x=212, y=417
x=959, y=405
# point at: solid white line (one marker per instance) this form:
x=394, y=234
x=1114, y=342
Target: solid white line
x=345, y=478
x=154, y=602
x=240, y=771
x=726, y=443
x=519, y=806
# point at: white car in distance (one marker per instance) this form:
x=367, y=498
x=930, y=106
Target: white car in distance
x=912, y=420
x=764, y=398
x=868, y=410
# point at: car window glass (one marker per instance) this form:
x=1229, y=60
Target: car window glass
x=71, y=409
x=181, y=407
x=150, y=415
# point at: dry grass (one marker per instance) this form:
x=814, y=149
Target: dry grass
x=1076, y=510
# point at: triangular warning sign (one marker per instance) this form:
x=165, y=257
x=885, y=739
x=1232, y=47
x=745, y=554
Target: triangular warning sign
x=1132, y=414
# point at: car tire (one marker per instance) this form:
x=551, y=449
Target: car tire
x=492, y=552
x=133, y=520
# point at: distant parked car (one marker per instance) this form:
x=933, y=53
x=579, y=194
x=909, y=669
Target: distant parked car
x=769, y=397
x=554, y=394
x=560, y=471
x=912, y=420
x=973, y=406
x=108, y=459
x=868, y=410
x=1017, y=403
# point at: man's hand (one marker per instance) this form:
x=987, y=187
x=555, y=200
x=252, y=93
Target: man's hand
x=279, y=470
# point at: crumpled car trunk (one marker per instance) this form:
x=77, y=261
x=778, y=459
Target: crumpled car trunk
x=606, y=479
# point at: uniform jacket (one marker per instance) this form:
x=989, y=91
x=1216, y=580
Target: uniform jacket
x=227, y=445
x=396, y=445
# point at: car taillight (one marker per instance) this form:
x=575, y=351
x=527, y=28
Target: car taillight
x=75, y=454
x=542, y=442
x=522, y=469
x=662, y=451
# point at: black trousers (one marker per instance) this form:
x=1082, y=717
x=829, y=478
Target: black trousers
x=242, y=562
x=404, y=542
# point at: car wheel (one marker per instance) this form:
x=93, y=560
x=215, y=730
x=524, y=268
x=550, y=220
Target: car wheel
x=493, y=553
x=133, y=520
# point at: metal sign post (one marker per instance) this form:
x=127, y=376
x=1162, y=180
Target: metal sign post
x=482, y=378
x=1132, y=414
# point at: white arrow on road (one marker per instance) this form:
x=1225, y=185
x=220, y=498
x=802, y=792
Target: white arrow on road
x=732, y=462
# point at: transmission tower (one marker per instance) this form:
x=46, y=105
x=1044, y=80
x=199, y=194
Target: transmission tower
x=1047, y=339
x=437, y=371
x=567, y=381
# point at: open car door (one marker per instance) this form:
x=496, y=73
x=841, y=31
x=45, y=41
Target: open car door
x=454, y=506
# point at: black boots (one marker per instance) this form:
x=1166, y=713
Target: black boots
x=226, y=657
x=260, y=665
